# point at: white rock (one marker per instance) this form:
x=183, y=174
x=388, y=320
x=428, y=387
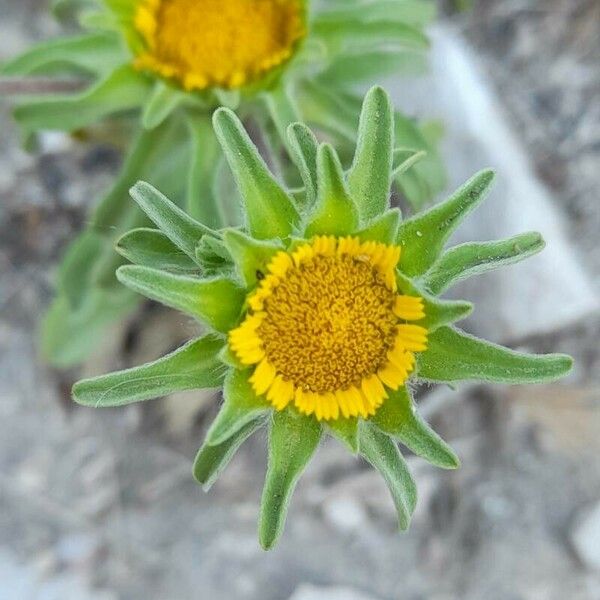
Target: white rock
x=585, y=537
x=311, y=592
x=345, y=514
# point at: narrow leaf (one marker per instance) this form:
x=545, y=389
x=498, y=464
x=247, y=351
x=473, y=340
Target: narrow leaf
x=217, y=302
x=438, y=312
x=346, y=431
x=383, y=228
x=193, y=366
x=405, y=159
x=152, y=248
x=211, y=461
x=383, y=454
x=369, y=179
x=453, y=355
x=201, y=199
x=163, y=100
x=303, y=147
x=241, y=406
x=475, y=258
x=96, y=53
x=293, y=439
x=270, y=210
x=250, y=256
x=398, y=417
x=180, y=228
x=424, y=236
x=335, y=212
x=123, y=89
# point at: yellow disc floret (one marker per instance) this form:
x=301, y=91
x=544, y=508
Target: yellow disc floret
x=220, y=43
x=327, y=330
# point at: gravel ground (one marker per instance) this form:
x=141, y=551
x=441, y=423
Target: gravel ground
x=101, y=505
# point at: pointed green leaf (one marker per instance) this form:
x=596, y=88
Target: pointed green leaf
x=206, y=152
x=282, y=109
x=454, y=355
x=163, y=100
x=270, y=210
x=423, y=237
x=369, y=178
x=211, y=461
x=193, y=366
x=370, y=35
x=180, y=228
x=383, y=454
x=217, y=302
x=152, y=248
x=414, y=12
x=250, y=256
x=405, y=159
x=303, y=147
x=475, y=258
x=213, y=257
x=437, y=312
x=241, y=406
x=293, y=439
x=383, y=228
x=335, y=212
x=398, y=417
x=346, y=431
x=124, y=89
x=96, y=53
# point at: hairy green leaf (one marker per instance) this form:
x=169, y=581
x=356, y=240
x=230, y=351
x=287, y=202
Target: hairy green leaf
x=152, y=248
x=475, y=258
x=346, y=431
x=163, y=100
x=293, y=439
x=250, y=256
x=398, y=417
x=217, y=302
x=95, y=53
x=335, y=212
x=122, y=90
x=193, y=366
x=377, y=448
x=241, y=406
x=303, y=147
x=383, y=228
x=423, y=237
x=179, y=227
x=270, y=210
x=212, y=460
x=369, y=178
x=453, y=355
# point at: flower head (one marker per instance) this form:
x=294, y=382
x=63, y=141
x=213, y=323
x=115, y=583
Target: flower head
x=322, y=310
x=327, y=329
x=217, y=44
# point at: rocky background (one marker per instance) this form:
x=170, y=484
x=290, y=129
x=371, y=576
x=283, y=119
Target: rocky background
x=101, y=505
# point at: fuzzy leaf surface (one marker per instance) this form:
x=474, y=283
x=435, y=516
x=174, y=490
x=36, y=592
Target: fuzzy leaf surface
x=454, y=355
x=217, y=302
x=293, y=439
x=193, y=366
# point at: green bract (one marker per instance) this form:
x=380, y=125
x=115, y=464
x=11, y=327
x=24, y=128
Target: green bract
x=171, y=143
x=212, y=275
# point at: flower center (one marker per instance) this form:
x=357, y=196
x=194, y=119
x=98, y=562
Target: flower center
x=329, y=324
x=327, y=329
x=222, y=43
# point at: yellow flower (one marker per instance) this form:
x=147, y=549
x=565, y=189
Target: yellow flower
x=208, y=43
x=327, y=329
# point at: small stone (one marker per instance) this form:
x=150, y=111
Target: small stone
x=311, y=592
x=345, y=514
x=585, y=537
